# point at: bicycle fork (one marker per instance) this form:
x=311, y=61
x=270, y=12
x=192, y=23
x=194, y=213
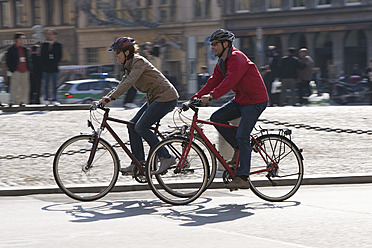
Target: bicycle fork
x=94, y=140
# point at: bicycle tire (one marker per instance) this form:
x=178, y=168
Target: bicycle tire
x=69, y=163
x=286, y=179
x=178, y=188
x=212, y=160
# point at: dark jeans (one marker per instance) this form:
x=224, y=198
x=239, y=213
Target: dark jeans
x=47, y=76
x=303, y=90
x=239, y=138
x=144, y=119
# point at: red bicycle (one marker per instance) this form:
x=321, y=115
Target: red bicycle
x=276, y=164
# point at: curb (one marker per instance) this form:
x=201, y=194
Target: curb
x=326, y=180
x=61, y=107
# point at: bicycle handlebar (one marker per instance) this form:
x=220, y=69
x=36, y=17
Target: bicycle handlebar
x=99, y=105
x=194, y=104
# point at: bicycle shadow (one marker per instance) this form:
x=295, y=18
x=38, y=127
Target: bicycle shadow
x=194, y=214
x=221, y=213
x=105, y=210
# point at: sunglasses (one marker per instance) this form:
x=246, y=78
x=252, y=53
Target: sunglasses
x=214, y=43
x=117, y=51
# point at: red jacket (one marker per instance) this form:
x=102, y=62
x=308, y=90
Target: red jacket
x=242, y=76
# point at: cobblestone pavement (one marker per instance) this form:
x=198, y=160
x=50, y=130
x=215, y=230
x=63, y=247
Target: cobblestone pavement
x=325, y=153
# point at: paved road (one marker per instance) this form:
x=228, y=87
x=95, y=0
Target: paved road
x=316, y=216
x=325, y=153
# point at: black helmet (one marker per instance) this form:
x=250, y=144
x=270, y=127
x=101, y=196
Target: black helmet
x=222, y=35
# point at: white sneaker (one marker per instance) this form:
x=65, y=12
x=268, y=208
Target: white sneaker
x=165, y=164
x=56, y=103
x=47, y=102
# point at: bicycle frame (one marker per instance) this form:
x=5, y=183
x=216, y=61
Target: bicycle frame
x=104, y=125
x=195, y=128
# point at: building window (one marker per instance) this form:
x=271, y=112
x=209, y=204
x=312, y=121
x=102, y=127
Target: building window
x=67, y=14
x=352, y=2
x=274, y=4
x=168, y=10
x=298, y=4
x=36, y=12
x=18, y=13
x=202, y=9
x=242, y=5
x=5, y=17
x=322, y=3
x=92, y=55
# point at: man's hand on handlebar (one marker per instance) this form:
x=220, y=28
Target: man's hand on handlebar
x=206, y=98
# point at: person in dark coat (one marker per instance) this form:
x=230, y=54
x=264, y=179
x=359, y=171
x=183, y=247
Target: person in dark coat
x=35, y=75
x=51, y=55
x=288, y=74
x=18, y=64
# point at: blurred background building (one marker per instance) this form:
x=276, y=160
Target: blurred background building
x=337, y=33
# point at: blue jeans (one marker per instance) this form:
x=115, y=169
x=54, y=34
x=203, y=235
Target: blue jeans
x=239, y=138
x=47, y=76
x=144, y=119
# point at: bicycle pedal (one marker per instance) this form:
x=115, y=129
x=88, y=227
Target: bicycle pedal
x=126, y=173
x=231, y=190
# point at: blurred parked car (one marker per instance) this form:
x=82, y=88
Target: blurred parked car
x=87, y=90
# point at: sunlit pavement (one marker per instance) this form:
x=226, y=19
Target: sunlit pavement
x=316, y=216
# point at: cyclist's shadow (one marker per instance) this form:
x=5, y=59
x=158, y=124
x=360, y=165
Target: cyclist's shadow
x=105, y=210
x=194, y=214
x=221, y=213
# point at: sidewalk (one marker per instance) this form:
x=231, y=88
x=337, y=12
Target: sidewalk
x=32, y=138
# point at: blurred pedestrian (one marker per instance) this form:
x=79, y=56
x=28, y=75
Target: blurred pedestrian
x=203, y=76
x=35, y=74
x=317, y=77
x=51, y=55
x=368, y=75
x=129, y=98
x=304, y=75
x=17, y=62
x=273, y=63
x=288, y=75
x=265, y=74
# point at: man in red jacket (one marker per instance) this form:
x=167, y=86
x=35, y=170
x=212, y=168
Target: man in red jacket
x=234, y=71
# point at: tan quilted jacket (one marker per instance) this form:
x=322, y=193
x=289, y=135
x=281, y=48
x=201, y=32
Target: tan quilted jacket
x=147, y=79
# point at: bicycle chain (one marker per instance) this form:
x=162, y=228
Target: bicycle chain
x=265, y=121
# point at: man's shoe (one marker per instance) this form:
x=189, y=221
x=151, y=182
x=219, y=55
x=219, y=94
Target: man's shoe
x=237, y=183
x=127, y=171
x=47, y=102
x=56, y=103
x=165, y=164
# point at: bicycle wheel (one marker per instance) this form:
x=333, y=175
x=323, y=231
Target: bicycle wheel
x=185, y=186
x=212, y=161
x=80, y=183
x=283, y=182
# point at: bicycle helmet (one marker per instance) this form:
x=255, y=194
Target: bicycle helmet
x=222, y=35
x=122, y=44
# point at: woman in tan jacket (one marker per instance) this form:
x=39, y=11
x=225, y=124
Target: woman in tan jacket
x=161, y=98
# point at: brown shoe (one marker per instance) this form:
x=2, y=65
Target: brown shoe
x=238, y=183
x=234, y=157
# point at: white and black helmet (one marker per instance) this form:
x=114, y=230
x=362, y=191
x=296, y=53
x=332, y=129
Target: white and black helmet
x=222, y=35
